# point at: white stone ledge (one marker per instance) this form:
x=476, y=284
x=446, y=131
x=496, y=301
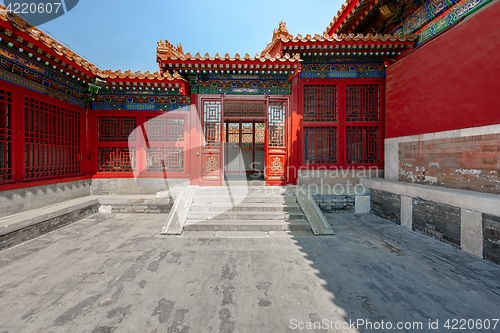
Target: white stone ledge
x=465, y=132
x=475, y=201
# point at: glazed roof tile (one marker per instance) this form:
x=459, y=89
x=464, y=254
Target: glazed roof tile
x=166, y=51
x=343, y=13
x=282, y=40
x=109, y=74
x=350, y=38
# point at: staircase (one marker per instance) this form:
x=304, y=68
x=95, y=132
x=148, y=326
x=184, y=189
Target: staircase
x=245, y=209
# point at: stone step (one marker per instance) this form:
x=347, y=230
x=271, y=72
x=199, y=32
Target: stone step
x=134, y=204
x=264, y=191
x=247, y=225
x=244, y=215
x=275, y=207
x=247, y=199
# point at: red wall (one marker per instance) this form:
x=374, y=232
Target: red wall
x=450, y=83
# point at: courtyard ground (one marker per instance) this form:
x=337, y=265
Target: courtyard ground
x=116, y=273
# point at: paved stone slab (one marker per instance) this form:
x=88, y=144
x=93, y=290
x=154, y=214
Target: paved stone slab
x=116, y=273
x=242, y=234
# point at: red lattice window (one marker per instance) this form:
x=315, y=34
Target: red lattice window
x=342, y=122
x=115, y=128
x=5, y=135
x=165, y=159
x=244, y=109
x=212, y=122
x=320, y=145
x=115, y=159
x=363, y=145
x=163, y=129
x=51, y=140
x=320, y=103
x=363, y=102
x=276, y=124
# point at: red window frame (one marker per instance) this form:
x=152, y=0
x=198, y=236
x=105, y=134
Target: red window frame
x=148, y=155
x=52, y=139
x=345, y=126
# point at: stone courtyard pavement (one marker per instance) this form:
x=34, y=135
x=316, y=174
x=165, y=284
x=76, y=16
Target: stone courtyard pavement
x=115, y=273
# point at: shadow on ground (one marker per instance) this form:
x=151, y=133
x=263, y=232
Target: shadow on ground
x=386, y=277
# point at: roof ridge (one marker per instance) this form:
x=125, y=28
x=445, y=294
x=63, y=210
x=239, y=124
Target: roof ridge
x=108, y=73
x=167, y=51
x=352, y=37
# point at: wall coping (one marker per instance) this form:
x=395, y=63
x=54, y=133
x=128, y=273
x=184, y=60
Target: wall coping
x=474, y=201
x=458, y=133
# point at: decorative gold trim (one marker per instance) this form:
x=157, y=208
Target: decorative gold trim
x=211, y=164
x=276, y=164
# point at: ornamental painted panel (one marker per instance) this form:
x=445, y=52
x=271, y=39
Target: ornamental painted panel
x=211, y=164
x=277, y=164
x=332, y=70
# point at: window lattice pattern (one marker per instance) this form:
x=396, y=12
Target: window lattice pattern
x=363, y=144
x=165, y=129
x=212, y=122
x=320, y=103
x=115, y=159
x=276, y=124
x=363, y=102
x=165, y=159
x=52, y=140
x=320, y=145
x=244, y=109
x=115, y=128
x=5, y=135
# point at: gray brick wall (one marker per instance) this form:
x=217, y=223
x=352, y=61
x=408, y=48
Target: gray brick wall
x=491, y=238
x=386, y=205
x=437, y=220
x=334, y=203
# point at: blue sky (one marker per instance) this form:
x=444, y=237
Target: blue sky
x=123, y=34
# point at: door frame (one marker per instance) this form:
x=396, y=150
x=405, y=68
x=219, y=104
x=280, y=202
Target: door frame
x=201, y=153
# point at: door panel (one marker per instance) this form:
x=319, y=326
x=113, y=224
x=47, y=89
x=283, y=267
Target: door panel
x=276, y=152
x=211, y=148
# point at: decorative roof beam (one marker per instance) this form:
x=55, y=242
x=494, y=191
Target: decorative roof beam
x=342, y=15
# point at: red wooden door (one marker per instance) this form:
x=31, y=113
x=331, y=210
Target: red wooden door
x=210, y=152
x=276, y=150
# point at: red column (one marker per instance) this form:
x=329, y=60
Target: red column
x=294, y=142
